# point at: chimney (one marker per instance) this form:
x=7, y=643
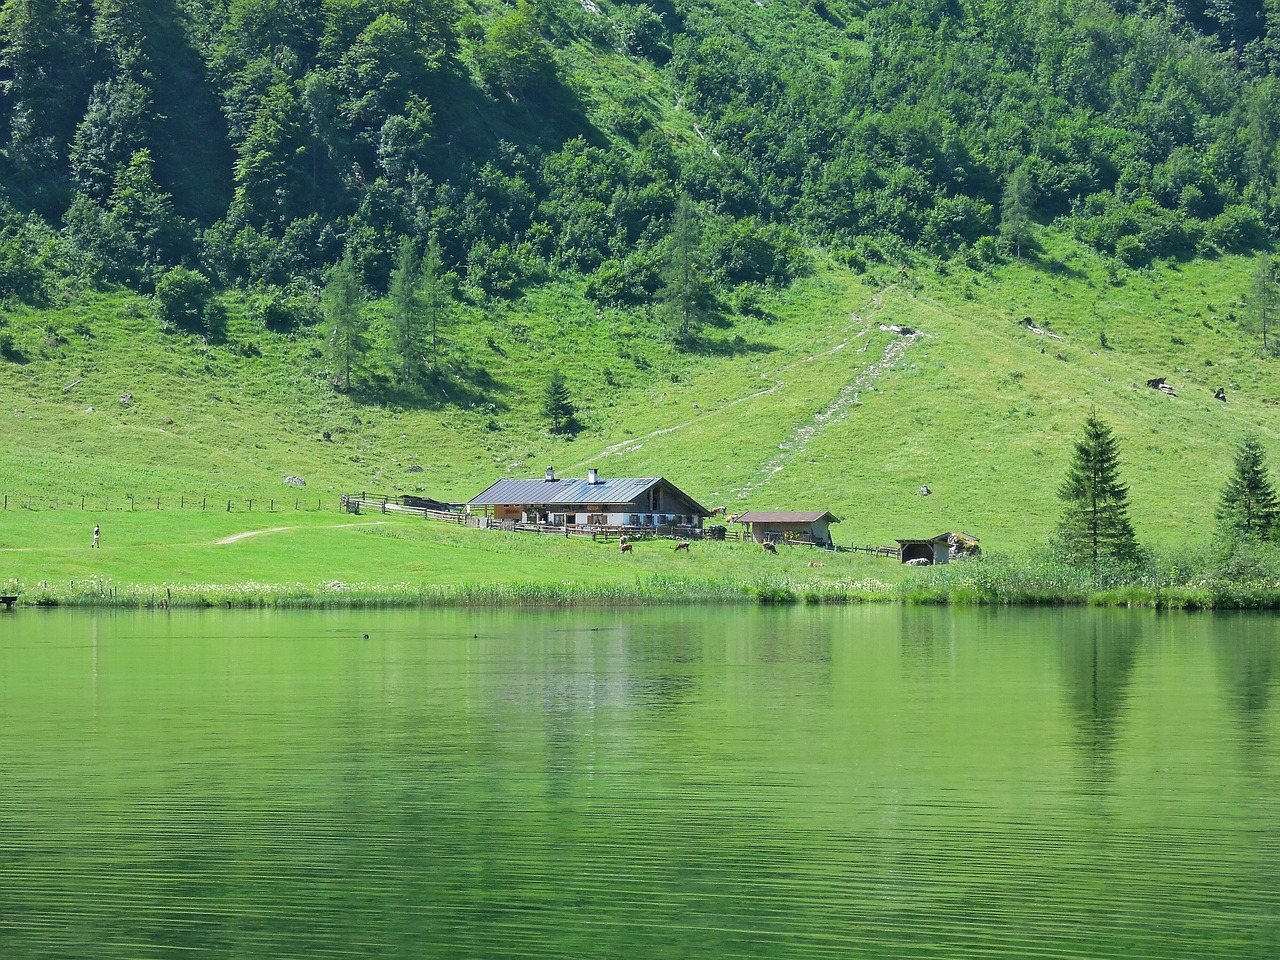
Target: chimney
x=551, y=474
x=593, y=477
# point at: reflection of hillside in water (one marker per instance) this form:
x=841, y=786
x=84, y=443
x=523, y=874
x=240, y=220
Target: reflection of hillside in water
x=1246, y=651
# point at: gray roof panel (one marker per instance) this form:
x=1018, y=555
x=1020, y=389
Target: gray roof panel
x=568, y=490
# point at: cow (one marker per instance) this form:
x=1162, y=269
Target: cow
x=718, y=511
x=816, y=563
x=769, y=548
x=624, y=547
x=682, y=545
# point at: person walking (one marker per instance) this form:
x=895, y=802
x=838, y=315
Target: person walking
x=97, y=537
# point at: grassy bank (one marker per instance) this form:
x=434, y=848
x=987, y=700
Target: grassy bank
x=328, y=559
x=1192, y=580
x=199, y=558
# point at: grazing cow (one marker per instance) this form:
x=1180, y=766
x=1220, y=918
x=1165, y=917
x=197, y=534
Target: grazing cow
x=924, y=490
x=1220, y=394
x=816, y=563
x=718, y=511
x=682, y=545
x=769, y=548
x=624, y=547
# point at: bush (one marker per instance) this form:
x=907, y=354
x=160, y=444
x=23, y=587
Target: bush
x=184, y=300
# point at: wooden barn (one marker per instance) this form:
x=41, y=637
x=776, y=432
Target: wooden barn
x=639, y=502
x=790, y=526
x=943, y=548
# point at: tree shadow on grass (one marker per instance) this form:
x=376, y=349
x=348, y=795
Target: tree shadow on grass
x=462, y=384
x=726, y=346
x=1036, y=260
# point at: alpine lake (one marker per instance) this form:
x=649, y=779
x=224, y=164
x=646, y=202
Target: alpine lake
x=672, y=782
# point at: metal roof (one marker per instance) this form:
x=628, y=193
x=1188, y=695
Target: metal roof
x=787, y=516
x=574, y=491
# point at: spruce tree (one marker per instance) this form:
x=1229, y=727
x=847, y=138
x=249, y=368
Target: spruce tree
x=558, y=405
x=1095, y=521
x=1248, y=509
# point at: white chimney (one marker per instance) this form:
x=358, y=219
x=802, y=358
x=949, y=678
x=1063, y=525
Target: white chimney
x=593, y=477
x=551, y=474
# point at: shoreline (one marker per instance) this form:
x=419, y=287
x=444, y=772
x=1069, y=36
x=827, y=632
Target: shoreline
x=666, y=591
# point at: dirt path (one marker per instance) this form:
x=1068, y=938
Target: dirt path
x=236, y=537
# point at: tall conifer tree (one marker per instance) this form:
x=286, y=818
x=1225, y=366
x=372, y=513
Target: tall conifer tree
x=342, y=302
x=406, y=310
x=1095, y=521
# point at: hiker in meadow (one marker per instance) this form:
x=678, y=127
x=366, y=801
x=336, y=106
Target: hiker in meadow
x=97, y=537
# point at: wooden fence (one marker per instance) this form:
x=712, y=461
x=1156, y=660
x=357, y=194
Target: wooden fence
x=172, y=501
x=355, y=503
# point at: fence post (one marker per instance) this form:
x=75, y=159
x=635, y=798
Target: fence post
x=204, y=502
x=131, y=504
x=82, y=501
x=272, y=508
x=228, y=506
x=157, y=503
x=251, y=506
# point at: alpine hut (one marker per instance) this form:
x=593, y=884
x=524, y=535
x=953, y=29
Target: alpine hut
x=792, y=526
x=642, y=503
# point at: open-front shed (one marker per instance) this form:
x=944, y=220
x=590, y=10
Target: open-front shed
x=795, y=526
x=652, y=503
x=940, y=549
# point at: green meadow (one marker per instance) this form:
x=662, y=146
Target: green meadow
x=806, y=401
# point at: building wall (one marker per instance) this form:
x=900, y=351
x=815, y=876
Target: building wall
x=613, y=515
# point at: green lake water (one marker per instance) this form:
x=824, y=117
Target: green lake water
x=639, y=783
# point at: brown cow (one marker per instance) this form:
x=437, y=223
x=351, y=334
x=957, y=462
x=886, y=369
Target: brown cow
x=682, y=545
x=624, y=547
x=769, y=548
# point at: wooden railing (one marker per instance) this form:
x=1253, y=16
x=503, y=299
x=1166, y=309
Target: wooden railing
x=876, y=551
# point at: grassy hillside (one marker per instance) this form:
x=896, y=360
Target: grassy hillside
x=808, y=403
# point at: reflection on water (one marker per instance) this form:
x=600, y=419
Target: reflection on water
x=862, y=782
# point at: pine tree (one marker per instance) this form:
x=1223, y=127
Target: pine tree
x=1095, y=521
x=558, y=405
x=341, y=302
x=406, y=309
x=1248, y=509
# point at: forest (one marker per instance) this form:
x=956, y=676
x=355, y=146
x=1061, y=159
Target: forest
x=258, y=141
